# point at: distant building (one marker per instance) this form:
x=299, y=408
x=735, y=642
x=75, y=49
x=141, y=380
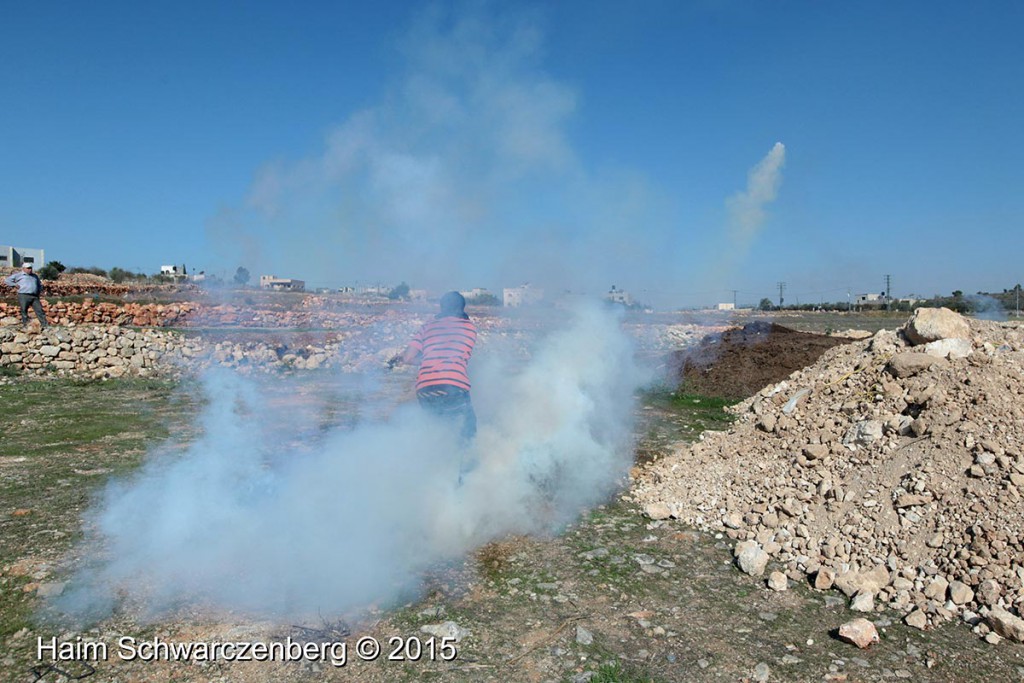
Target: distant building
x=870, y=299
x=16, y=257
x=618, y=296
x=280, y=284
x=521, y=296
x=475, y=293
x=174, y=272
x=727, y=307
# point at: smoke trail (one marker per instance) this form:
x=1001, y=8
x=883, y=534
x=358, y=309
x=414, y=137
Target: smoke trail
x=747, y=208
x=249, y=520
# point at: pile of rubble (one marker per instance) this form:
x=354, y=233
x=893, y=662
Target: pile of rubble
x=892, y=470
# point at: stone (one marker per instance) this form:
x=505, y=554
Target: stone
x=583, y=636
x=824, y=579
x=447, y=629
x=960, y=593
x=1005, y=624
x=931, y=324
x=50, y=589
x=750, y=558
x=859, y=632
x=988, y=593
x=762, y=672
x=993, y=638
x=872, y=581
x=815, y=451
x=917, y=619
x=910, y=363
x=777, y=581
x=864, y=601
x=658, y=511
x=864, y=433
x=936, y=590
x=949, y=348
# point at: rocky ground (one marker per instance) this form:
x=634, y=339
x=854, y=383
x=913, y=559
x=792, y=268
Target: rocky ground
x=618, y=596
x=890, y=471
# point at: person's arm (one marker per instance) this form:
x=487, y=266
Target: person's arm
x=410, y=355
x=11, y=280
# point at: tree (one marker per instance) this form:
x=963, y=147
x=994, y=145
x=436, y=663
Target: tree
x=242, y=276
x=399, y=292
x=766, y=304
x=52, y=270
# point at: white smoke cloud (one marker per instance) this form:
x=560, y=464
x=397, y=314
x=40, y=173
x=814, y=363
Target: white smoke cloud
x=747, y=208
x=262, y=516
x=463, y=175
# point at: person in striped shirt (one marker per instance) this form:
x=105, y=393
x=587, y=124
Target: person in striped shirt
x=443, y=347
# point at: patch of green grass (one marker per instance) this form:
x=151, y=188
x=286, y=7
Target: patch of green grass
x=615, y=673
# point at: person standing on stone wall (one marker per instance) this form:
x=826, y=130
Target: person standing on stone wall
x=30, y=288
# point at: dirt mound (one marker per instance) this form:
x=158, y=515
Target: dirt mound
x=891, y=471
x=739, y=362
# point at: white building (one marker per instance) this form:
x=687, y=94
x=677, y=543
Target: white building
x=280, y=284
x=618, y=296
x=15, y=257
x=727, y=307
x=521, y=296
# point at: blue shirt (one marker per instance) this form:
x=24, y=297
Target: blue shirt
x=27, y=283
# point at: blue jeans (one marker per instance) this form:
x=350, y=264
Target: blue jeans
x=450, y=402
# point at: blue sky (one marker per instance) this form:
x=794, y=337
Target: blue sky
x=572, y=144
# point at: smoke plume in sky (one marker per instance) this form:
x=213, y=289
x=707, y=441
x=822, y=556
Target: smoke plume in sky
x=462, y=175
x=747, y=208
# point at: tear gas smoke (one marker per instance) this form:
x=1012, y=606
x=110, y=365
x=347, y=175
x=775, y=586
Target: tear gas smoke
x=747, y=208
x=247, y=519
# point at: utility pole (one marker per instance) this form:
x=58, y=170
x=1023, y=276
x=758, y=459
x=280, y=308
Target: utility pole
x=734, y=297
x=888, y=292
x=782, y=288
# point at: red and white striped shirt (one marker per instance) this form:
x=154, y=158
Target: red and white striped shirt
x=446, y=344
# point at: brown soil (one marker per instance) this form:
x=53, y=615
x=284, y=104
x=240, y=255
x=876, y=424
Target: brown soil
x=740, y=362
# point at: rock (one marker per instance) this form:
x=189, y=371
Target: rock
x=864, y=433
x=931, y=324
x=733, y=520
x=949, y=348
x=871, y=581
x=988, y=593
x=815, y=451
x=761, y=672
x=910, y=363
x=912, y=499
x=777, y=581
x=658, y=511
x=1006, y=624
x=859, y=632
x=960, y=593
x=936, y=590
x=917, y=619
x=993, y=638
x=824, y=579
x=448, y=629
x=583, y=636
x=750, y=558
x=50, y=589
x=864, y=601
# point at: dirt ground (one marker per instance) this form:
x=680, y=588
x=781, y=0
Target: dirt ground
x=740, y=362
x=613, y=598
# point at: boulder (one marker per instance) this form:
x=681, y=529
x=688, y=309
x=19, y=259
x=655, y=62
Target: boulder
x=1006, y=624
x=949, y=348
x=859, y=632
x=931, y=324
x=910, y=363
x=750, y=558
